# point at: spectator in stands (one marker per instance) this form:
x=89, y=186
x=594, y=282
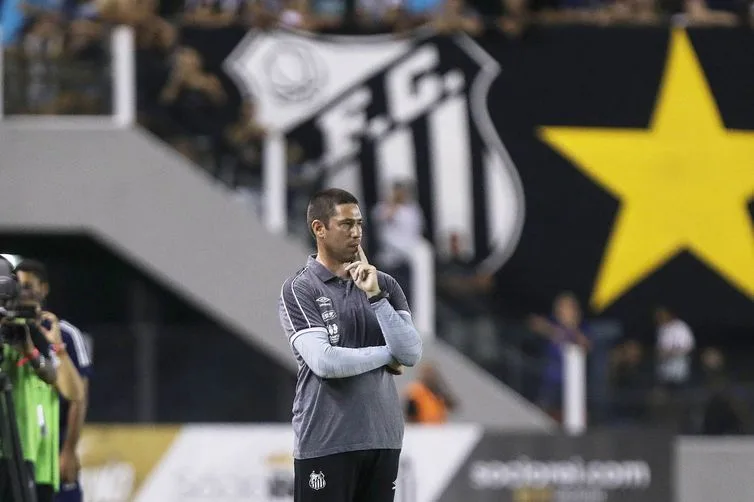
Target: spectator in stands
x=564, y=326
x=428, y=399
x=257, y=14
x=515, y=17
x=413, y=13
x=86, y=51
x=460, y=281
x=456, y=15
x=399, y=224
x=377, y=15
x=192, y=97
x=155, y=41
x=245, y=139
x=465, y=293
x=631, y=382
x=297, y=14
x=724, y=413
x=675, y=344
x=211, y=14
x=131, y=12
x=698, y=13
x=42, y=48
x=639, y=12
x=18, y=16
x=327, y=13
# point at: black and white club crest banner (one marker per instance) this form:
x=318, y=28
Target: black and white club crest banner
x=368, y=110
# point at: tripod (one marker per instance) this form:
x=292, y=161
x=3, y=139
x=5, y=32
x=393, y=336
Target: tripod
x=17, y=475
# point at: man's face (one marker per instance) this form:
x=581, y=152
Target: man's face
x=454, y=6
x=342, y=235
x=34, y=291
x=567, y=311
x=455, y=245
x=400, y=194
x=633, y=352
x=427, y=374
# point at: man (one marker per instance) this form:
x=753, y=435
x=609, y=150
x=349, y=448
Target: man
x=464, y=305
x=31, y=373
x=631, y=382
x=399, y=223
x=73, y=369
x=347, y=324
x=428, y=399
x=73, y=416
x=38, y=369
x=675, y=343
x=565, y=326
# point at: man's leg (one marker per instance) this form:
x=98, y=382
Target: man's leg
x=326, y=479
x=5, y=489
x=32, y=481
x=378, y=477
x=45, y=493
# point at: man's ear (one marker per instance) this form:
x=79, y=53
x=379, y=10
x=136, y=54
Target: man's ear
x=45, y=290
x=318, y=229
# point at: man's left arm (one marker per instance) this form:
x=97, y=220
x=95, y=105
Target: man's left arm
x=78, y=353
x=80, y=357
x=394, y=317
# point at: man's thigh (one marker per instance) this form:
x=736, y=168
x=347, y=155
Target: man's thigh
x=326, y=479
x=378, y=477
x=69, y=492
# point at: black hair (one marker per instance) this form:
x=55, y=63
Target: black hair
x=323, y=203
x=35, y=267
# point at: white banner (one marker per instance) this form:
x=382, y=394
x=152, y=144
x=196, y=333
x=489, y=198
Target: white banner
x=254, y=463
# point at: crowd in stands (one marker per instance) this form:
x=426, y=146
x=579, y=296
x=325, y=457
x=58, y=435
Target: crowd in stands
x=58, y=53
x=57, y=61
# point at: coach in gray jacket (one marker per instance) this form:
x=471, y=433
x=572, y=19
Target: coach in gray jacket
x=348, y=325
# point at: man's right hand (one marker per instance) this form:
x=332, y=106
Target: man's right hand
x=52, y=334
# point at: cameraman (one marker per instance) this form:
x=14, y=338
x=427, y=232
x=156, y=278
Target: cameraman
x=40, y=370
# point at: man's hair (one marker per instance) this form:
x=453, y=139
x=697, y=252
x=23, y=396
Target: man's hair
x=33, y=267
x=566, y=295
x=323, y=203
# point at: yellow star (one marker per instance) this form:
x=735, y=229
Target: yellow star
x=683, y=184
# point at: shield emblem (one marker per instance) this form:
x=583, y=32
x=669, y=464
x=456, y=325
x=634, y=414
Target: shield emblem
x=368, y=110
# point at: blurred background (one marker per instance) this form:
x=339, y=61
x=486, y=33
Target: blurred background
x=539, y=175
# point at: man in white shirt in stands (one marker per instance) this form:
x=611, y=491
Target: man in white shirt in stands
x=675, y=343
x=399, y=223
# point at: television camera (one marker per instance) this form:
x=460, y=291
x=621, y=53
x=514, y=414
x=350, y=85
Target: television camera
x=15, y=316
x=17, y=309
